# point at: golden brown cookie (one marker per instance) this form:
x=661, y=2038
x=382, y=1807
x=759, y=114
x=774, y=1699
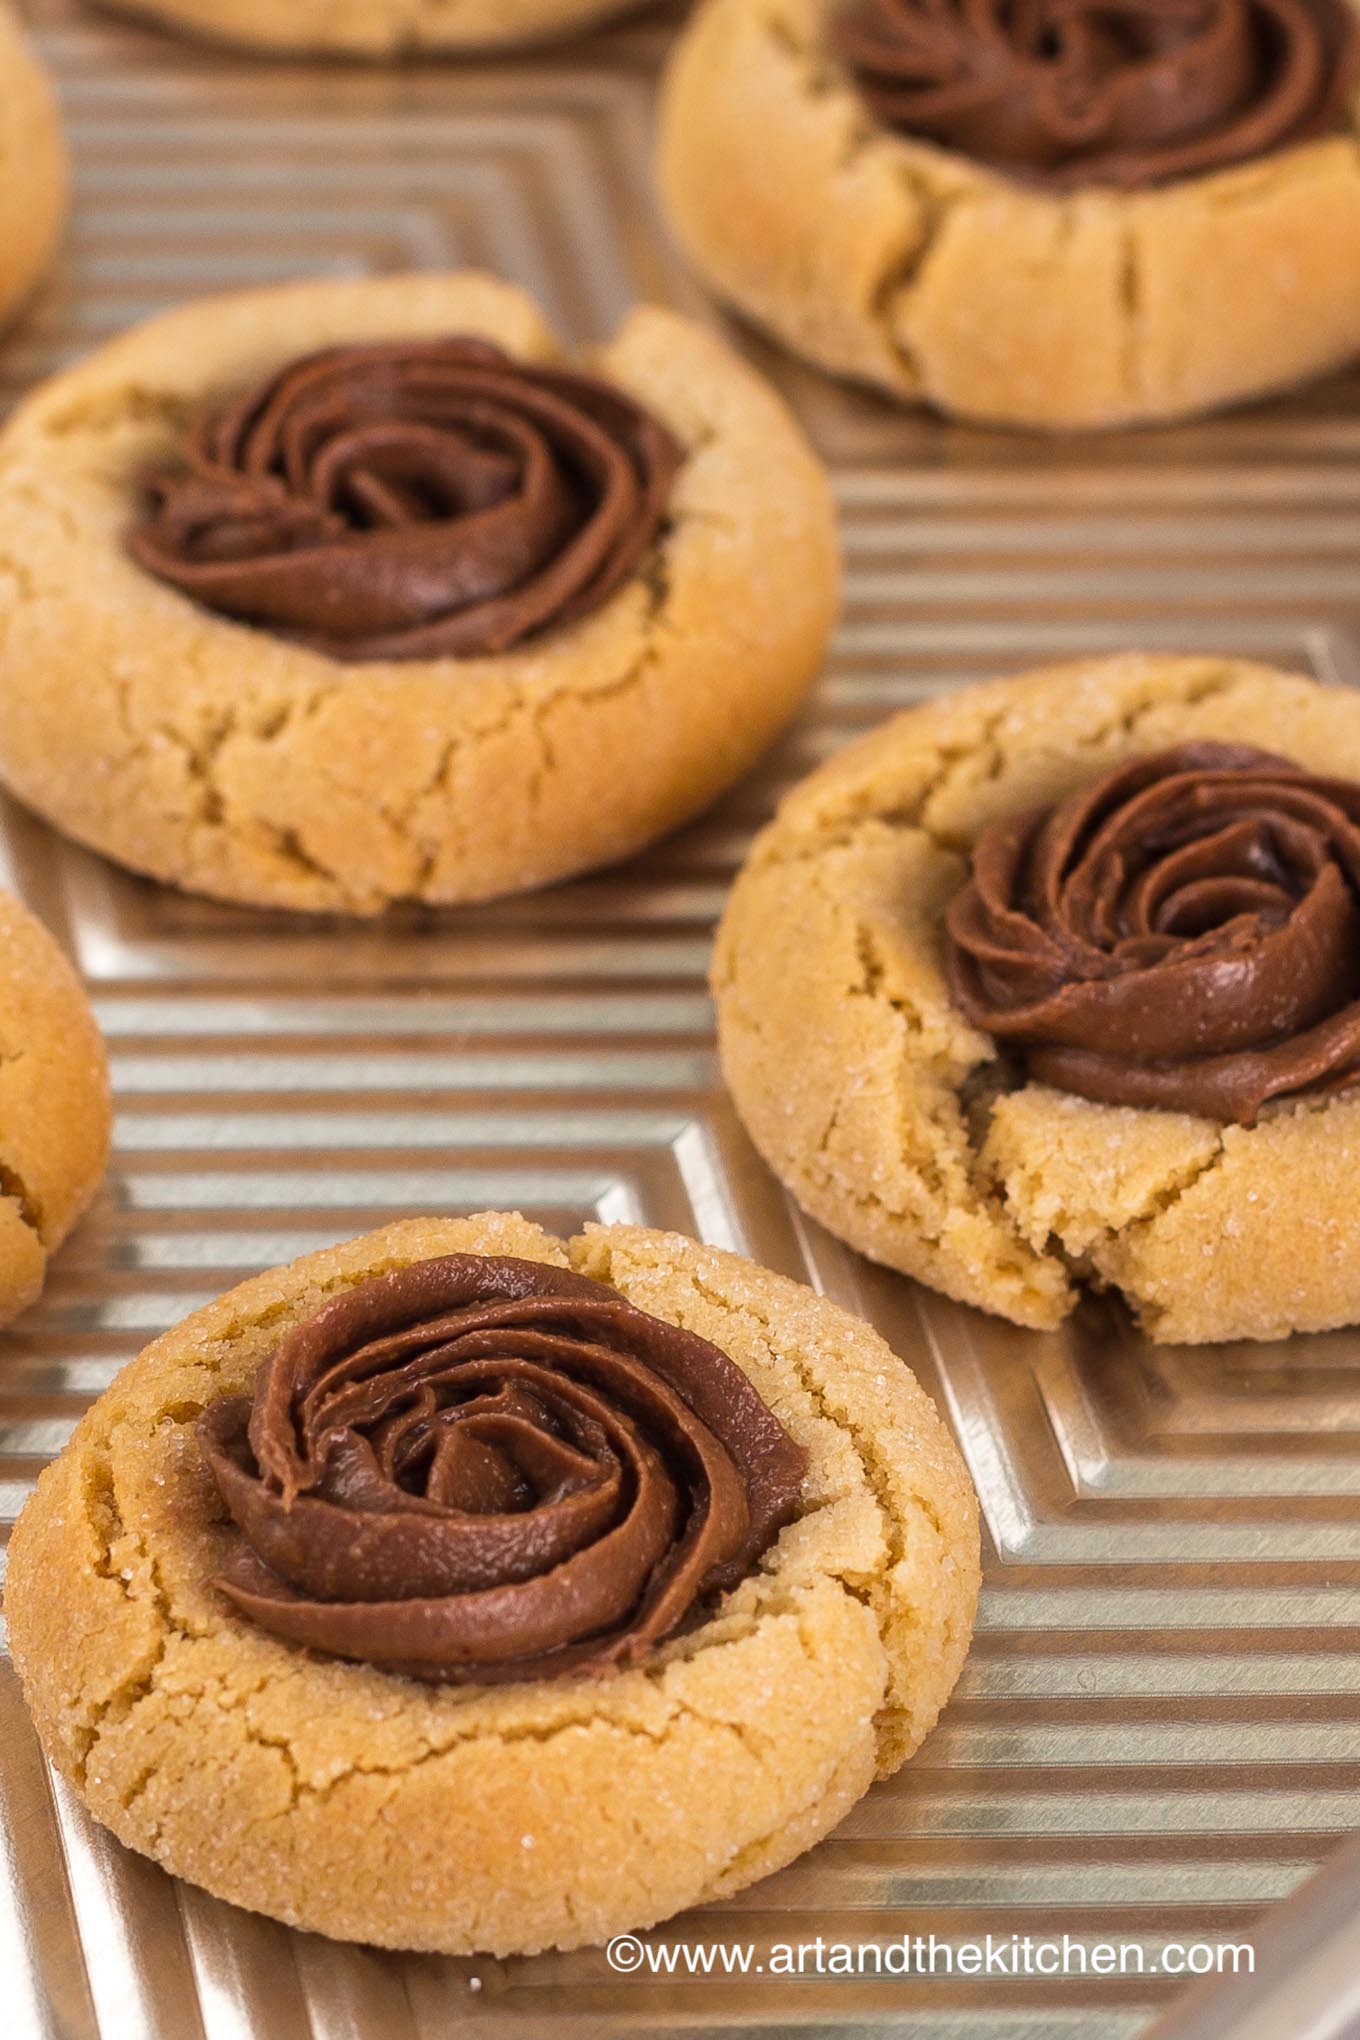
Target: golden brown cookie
x=32, y=168
x=380, y=28
x=911, y=267
x=54, y=1104
x=235, y=762
x=895, y=1122
x=509, y=1818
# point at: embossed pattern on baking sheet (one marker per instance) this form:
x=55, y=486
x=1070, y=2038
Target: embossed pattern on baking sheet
x=1158, y=1732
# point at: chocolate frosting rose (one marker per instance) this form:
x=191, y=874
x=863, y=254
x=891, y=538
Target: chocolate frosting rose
x=411, y=499
x=1116, y=92
x=486, y=1469
x=1183, y=933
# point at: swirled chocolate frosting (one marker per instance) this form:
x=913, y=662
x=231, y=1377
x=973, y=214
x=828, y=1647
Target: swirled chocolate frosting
x=485, y=1469
x=411, y=499
x=1183, y=933
x=1115, y=92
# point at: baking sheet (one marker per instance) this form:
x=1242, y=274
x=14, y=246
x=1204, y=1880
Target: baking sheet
x=1158, y=1733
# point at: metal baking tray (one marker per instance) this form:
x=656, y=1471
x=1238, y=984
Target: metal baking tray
x=1158, y=1732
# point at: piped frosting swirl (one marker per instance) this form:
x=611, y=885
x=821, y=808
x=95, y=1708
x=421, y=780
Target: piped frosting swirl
x=486, y=1469
x=1116, y=92
x=1184, y=933
x=412, y=499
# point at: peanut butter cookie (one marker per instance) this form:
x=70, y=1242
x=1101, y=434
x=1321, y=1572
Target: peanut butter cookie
x=348, y=592
x=54, y=1104
x=380, y=28
x=1021, y=221
x=1054, y=981
x=33, y=173
x=718, y=1560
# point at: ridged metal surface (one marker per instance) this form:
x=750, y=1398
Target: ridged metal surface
x=1158, y=1733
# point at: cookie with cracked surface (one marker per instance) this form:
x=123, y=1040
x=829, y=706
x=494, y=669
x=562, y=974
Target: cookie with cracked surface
x=54, y=1104
x=252, y=751
x=503, y=1817
x=982, y=289
x=33, y=171
x=381, y=28
x=902, y=1126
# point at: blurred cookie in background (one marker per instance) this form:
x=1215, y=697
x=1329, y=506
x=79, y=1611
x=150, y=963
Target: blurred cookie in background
x=54, y=1104
x=1036, y=217
x=381, y=28
x=33, y=172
